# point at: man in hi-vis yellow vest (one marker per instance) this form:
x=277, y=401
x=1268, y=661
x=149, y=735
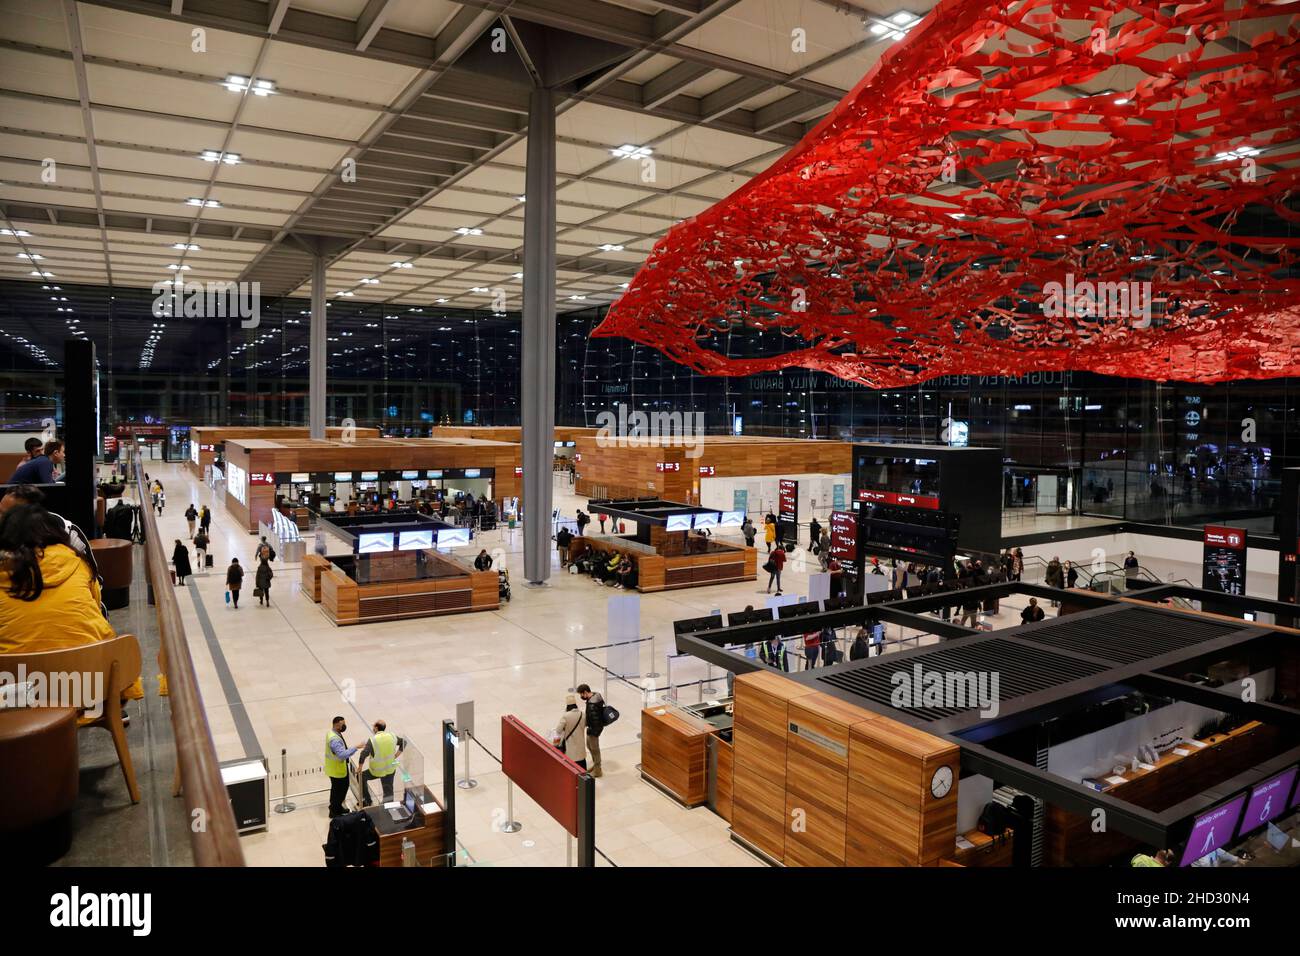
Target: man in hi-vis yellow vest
x=337, y=753
x=382, y=750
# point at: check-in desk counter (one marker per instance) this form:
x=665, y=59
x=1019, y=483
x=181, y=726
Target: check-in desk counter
x=1180, y=773
x=686, y=752
x=427, y=832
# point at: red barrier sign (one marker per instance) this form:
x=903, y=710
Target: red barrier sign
x=539, y=769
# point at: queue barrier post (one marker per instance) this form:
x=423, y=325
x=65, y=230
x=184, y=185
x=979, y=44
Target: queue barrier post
x=574, y=687
x=284, y=806
x=511, y=825
x=652, y=672
x=468, y=782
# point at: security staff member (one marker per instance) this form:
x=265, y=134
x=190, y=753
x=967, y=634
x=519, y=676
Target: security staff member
x=382, y=750
x=772, y=653
x=337, y=753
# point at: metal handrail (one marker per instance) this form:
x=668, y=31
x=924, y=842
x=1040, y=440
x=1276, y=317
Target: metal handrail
x=217, y=842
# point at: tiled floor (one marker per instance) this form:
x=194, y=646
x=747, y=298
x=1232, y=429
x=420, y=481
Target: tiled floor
x=294, y=670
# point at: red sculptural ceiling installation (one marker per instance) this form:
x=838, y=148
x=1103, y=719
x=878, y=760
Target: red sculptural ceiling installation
x=970, y=207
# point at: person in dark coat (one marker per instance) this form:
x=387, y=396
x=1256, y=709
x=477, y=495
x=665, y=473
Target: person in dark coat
x=205, y=519
x=263, y=582
x=234, y=581
x=181, y=562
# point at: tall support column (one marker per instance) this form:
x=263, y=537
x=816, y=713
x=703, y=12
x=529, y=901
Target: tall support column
x=537, y=385
x=316, y=358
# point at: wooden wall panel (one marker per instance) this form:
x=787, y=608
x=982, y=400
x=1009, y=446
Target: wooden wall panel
x=607, y=470
x=759, y=742
x=313, y=566
x=726, y=769
x=892, y=813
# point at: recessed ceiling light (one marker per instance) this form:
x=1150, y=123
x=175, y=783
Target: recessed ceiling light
x=43, y=275
x=14, y=232
x=902, y=18
x=467, y=231
x=519, y=275
x=238, y=84
x=33, y=256
x=400, y=265
x=610, y=247
x=1121, y=100
x=521, y=198
x=440, y=300
x=478, y=288
x=208, y=203
x=628, y=151
x=370, y=281
x=577, y=297
x=185, y=246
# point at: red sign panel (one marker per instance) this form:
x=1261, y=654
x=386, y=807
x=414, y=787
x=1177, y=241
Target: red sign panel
x=844, y=536
x=707, y=471
x=518, y=472
x=895, y=498
x=541, y=770
x=207, y=448
x=261, y=478
x=662, y=466
x=1221, y=537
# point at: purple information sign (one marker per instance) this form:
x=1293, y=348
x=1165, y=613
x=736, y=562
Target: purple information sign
x=1212, y=830
x=1268, y=800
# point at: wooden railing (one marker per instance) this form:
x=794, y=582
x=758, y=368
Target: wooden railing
x=213, y=835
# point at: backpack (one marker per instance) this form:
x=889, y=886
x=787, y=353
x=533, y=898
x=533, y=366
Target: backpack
x=608, y=716
x=995, y=818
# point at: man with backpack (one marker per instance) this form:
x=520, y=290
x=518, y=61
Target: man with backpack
x=599, y=716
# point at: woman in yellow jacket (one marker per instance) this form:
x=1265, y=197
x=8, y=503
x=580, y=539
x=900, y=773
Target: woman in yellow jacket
x=49, y=599
x=769, y=535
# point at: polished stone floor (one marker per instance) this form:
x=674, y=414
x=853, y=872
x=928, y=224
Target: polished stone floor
x=273, y=677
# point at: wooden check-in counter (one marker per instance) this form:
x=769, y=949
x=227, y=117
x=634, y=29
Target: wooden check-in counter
x=429, y=834
x=392, y=591
x=675, y=752
x=1068, y=837
x=716, y=563
x=821, y=782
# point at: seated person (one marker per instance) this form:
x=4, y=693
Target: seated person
x=627, y=575
x=609, y=569
x=49, y=598
x=39, y=469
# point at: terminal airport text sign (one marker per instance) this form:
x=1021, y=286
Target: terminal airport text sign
x=1223, y=561
x=897, y=498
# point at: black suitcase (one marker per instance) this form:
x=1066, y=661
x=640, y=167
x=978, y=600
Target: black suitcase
x=207, y=560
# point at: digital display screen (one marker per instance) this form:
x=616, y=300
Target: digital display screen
x=732, y=519
x=472, y=472
x=1213, y=830
x=374, y=543
x=370, y=476
x=433, y=474
x=844, y=537
x=1268, y=800
x=410, y=475
x=1223, y=559
x=299, y=477
x=342, y=476
x=453, y=537
x=707, y=519
x=679, y=522
x=908, y=476
x=788, y=502
x=414, y=540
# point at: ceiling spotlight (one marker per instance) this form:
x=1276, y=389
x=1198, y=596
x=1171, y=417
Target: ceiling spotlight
x=14, y=232
x=43, y=275
x=239, y=84
x=206, y=203
x=400, y=265
x=521, y=198
x=1121, y=101
x=439, y=300
x=577, y=297
x=185, y=246
x=610, y=247
x=519, y=275
x=1059, y=235
x=478, y=288
x=903, y=18
x=467, y=231
x=217, y=156
x=628, y=151
x=370, y=281
x=174, y=267
x=33, y=256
